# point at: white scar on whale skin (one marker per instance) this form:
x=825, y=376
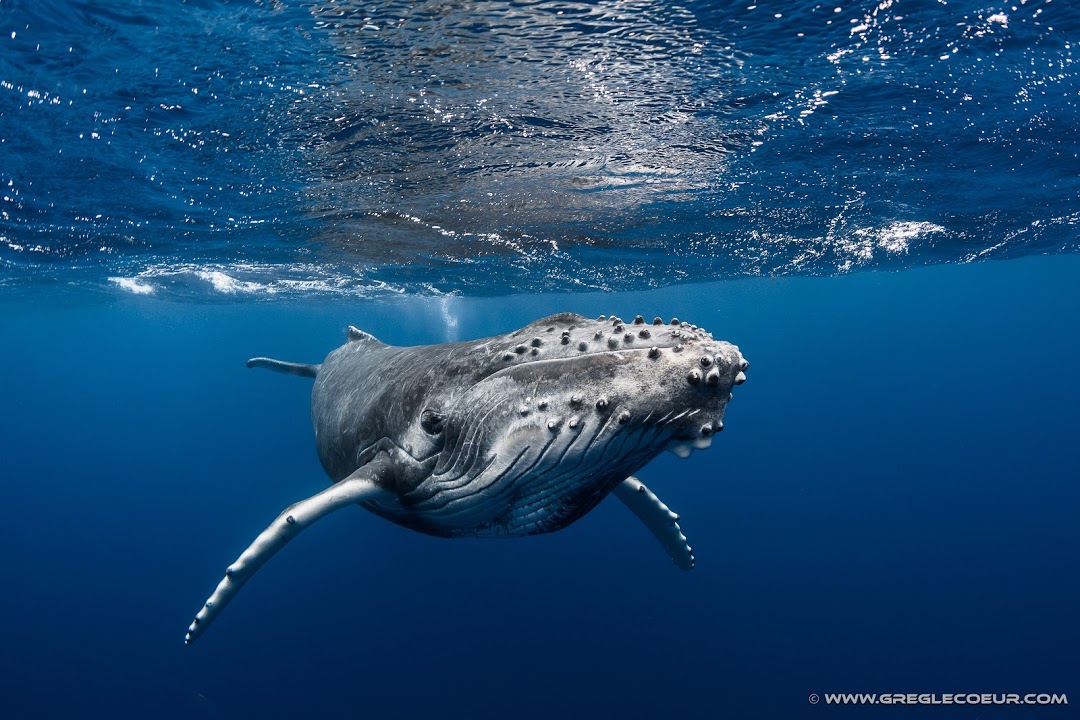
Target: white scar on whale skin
x=517, y=434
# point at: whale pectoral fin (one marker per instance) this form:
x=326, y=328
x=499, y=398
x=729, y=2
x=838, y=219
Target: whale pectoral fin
x=301, y=369
x=361, y=485
x=658, y=517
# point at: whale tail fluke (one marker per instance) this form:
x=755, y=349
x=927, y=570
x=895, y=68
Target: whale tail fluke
x=301, y=369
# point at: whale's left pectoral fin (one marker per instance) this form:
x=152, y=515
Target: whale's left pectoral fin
x=361, y=485
x=658, y=517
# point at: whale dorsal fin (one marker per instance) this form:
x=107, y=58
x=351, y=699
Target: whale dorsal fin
x=356, y=334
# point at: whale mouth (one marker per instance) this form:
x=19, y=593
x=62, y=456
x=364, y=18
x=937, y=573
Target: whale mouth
x=684, y=447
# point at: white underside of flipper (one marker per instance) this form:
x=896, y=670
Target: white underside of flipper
x=658, y=517
x=359, y=486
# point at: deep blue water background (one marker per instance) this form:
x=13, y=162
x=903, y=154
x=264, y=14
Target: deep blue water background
x=877, y=201
x=892, y=508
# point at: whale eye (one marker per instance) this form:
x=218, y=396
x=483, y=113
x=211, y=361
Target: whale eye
x=432, y=421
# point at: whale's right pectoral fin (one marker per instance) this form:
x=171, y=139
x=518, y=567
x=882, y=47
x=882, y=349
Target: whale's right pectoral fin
x=361, y=485
x=658, y=517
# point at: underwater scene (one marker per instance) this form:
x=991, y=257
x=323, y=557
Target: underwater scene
x=686, y=359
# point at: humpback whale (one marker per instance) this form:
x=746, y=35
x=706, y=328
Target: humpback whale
x=516, y=434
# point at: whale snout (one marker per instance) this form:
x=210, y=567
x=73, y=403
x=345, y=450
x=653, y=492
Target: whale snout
x=695, y=382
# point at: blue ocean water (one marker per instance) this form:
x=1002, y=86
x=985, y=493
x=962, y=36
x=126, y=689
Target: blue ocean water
x=877, y=201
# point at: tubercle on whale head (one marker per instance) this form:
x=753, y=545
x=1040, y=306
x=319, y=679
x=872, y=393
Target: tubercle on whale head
x=568, y=334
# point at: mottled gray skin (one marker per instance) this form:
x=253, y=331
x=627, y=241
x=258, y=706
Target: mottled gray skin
x=521, y=433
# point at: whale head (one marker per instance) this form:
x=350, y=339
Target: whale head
x=570, y=407
x=670, y=377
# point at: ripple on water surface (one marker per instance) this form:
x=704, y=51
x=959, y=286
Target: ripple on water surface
x=278, y=148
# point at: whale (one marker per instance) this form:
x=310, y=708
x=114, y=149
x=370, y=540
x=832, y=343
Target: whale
x=512, y=435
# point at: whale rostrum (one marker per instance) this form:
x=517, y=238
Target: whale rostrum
x=517, y=434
